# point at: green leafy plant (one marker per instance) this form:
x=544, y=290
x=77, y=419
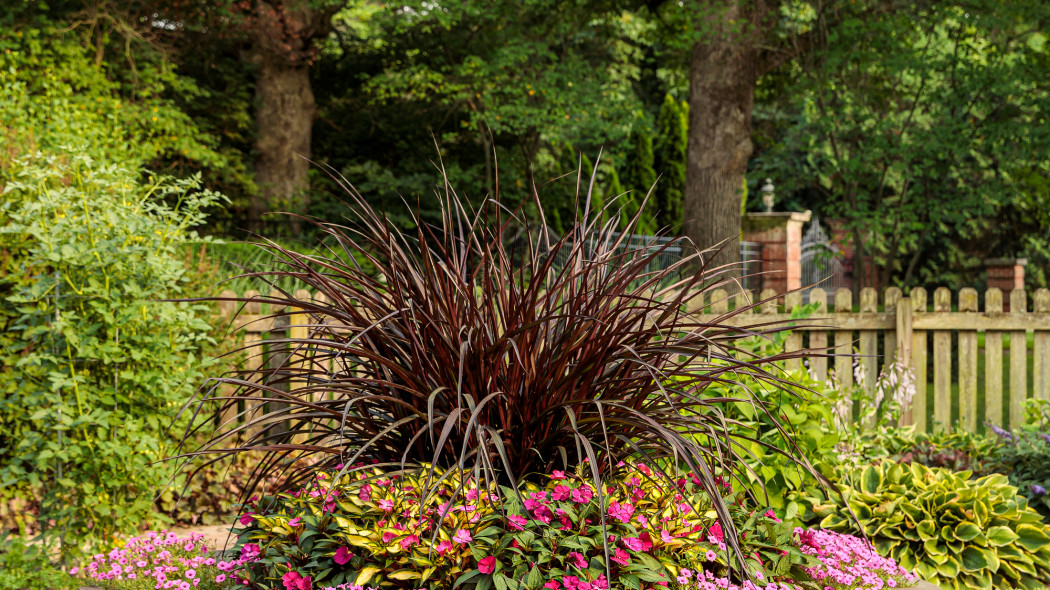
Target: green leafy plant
x=95, y=368
x=468, y=354
x=27, y=567
x=953, y=531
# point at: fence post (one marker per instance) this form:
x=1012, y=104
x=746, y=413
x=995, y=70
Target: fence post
x=228, y=410
x=1018, y=361
x=1041, y=349
x=968, y=364
x=891, y=299
x=869, y=347
x=253, y=347
x=993, y=361
x=794, y=339
x=844, y=345
x=902, y=353
x=818, y=339
x=918, y=363
x=942, y=363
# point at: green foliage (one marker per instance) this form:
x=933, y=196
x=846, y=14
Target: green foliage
x=640, y=178
x=905, y=110
x=669, y=145
x=95, y=366
x=27, y=567
x=953, y=531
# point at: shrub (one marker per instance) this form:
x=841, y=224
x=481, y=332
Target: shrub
x=1024, y=457
x=95, y=369
x=464, y=352
x=953, y=531
x=26, y=567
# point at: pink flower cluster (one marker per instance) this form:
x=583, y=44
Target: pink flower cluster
x=167, y=561
x=850, y=562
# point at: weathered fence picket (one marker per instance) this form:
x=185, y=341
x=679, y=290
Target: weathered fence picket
x=874, y=336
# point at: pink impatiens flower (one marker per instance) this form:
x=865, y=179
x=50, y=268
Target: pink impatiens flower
x=561, y=493
x=582, y=494
x=516, y=522
x=443, y=546
x=295, y=522
x=294, y=581
x=487, y=565
x=342, y=556
x=578, y=559
x=557, y=475
x=462, y=537
x=409, y=541
x=552, y=585
x=621, y=557
x=247, y=518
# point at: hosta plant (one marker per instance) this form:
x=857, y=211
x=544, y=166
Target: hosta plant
x=459, y=350
x=953, y=531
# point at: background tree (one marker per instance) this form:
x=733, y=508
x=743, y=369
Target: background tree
x=641, y=178
x=669, y=145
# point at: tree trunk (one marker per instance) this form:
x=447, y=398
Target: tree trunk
x=284, y=117
x=282, y=34
x=722, y=78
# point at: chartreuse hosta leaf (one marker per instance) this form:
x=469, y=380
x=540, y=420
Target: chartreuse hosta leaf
x=953, y=531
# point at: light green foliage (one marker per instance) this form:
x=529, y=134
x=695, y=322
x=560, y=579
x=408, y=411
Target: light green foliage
x=95, y=367
x=951, y=530
x=669, y=145
x=26, y=567
x=775, y=479
x=53, y=94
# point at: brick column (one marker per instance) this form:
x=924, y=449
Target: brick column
x=780, y=235
x=1007, y=274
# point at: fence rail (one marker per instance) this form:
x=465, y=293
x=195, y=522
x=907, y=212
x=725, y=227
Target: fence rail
x=972, y=367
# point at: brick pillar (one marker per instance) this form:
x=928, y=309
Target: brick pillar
x=780, y=236
x=1007, y=274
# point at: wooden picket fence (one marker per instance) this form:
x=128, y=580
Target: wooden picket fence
x=960, y=383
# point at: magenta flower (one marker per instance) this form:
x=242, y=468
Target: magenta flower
x=632, y=543
x=578, y=560
x=247, y=518
x=558, y=475
x=295, y=581
x=462, y=537
x=443, y=547
x=190, y=574
x=295, y=522
x=582, y=494
x=621, y=557
x=487, y=565
x=561, y=493
x=386, y=505
x=342, y=556
x=409, y=541
x=552, y=585
x=517, y=522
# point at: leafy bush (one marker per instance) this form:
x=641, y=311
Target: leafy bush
x=95, y=368
x=953, y=531
x=798, y=420
x=1024, y=456
x=24, y=567
x=466, y=352
x=381, y=529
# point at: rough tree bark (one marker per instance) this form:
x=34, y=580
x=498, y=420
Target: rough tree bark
x=282, y=48
x=722, y=77
x=735, y=48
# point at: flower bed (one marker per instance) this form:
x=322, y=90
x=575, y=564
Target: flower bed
x=367, y=529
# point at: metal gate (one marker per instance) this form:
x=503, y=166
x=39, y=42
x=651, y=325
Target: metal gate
x=821, y=262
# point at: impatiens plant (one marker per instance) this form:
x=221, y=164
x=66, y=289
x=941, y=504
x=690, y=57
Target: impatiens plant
x=372, y=528
x=489, y=345
x=951, y=530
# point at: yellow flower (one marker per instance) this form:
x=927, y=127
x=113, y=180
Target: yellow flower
x=531, y=92
x=154, y=118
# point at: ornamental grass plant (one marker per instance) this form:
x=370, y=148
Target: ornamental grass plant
x=462, y=348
